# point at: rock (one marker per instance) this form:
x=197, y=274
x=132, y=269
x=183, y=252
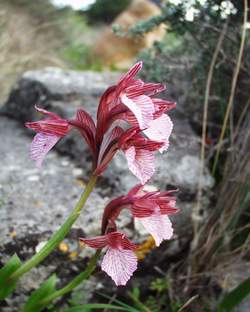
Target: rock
x=120, y=51
x=39, y=200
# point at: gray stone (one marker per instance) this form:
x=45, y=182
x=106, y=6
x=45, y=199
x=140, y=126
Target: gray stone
x=39, y=200
x=61, y=82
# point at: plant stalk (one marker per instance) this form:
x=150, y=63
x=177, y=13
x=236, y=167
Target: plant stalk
x=59, y=235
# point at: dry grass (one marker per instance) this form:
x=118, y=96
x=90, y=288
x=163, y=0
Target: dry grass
x=25, y=43
x=223, y=237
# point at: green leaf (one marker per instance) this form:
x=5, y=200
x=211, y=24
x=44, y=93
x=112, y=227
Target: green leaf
x=232, y=299
x=92, y=306
x=34, y=302
x=6, y=287
x=120, y=303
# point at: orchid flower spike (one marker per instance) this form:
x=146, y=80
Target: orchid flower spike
x=131, y=100
x=119, y=261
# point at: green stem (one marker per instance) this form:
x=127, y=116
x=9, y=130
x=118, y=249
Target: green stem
x=58, y=236
x=76, y=281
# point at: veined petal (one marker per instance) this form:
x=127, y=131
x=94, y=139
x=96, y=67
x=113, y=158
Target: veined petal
x=105, y=105
x=129, y=76
x=162, y=106
x=109, y=139
x=136, y=190
x=119, y=264
x=141, y=163
x=96, y=242
x=167, y=206
x=159, y=226
x=108, y=149
x=145, y=88
x=41, y=145
x=142, y=108
x=118, y=240
x=45, y=112
x=113, y=209
x=144, y=207
x=86, y=126
x=159, y=130
x=59, y=127
x=85, y=120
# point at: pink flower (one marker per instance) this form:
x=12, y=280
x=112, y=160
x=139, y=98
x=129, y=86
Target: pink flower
x=130, y=100
x=49, y=132
x=150, y=208
x=160, y=128
x=119, y=261
x=139, y=152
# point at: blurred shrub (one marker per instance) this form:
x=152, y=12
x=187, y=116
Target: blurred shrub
x=189, y=46
x=78, y=38
x=35, y=34
x=105, y=11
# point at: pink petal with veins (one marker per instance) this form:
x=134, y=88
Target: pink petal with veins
x=159, y=130
x=140, y=163
x=95, y=242
x=119, y=264
x=108, y=139
x=159, y=226
x=86, y=120
x=162, y=106
x=45, y=112
x=142, y=108
x=41, y=145
x=128, y=78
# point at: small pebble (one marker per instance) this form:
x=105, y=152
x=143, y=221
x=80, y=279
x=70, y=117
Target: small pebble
x=64, y=163
x=77, y=172
x=33, y=178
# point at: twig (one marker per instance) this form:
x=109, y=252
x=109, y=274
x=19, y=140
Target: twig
x=233, y=87
x=241, y=118
x=204, y=130
x=188, y=303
